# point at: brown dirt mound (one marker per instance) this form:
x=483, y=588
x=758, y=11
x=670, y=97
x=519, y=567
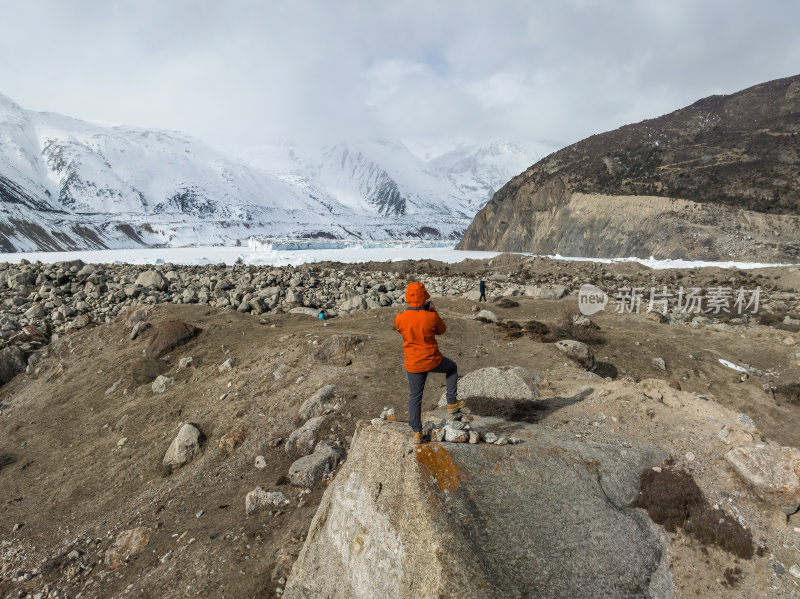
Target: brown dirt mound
x=170, y=335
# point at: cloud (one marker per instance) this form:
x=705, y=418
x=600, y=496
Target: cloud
x=246, y=72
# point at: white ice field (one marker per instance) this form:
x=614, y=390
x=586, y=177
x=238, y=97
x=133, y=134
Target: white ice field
x=282, y=253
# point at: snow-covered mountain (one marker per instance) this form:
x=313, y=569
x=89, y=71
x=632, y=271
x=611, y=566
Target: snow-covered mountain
x=69, y=184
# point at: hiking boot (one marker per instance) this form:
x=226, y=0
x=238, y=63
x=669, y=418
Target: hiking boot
x=417, y=439
x=452, y=408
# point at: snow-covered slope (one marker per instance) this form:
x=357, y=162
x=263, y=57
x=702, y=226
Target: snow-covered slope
x=476, y=172
x=69, y=184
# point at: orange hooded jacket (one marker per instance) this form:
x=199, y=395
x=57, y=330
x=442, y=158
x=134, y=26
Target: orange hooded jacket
x=419, y=328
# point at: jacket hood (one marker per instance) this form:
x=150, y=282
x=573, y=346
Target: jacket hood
x=416, y=295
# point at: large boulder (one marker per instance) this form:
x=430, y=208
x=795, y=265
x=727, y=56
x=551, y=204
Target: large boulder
x=301, y=442
x=152, y=279
x=548, y=518
x=169, y=335
x=12, y=362
x=309, y=470
x=337, y=350
x=501, y=383
x=772, y=471
x=183, y=447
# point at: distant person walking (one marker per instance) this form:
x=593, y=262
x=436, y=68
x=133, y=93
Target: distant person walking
x=482, y=287
x=419, y=326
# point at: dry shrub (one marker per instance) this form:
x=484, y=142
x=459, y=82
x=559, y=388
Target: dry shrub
x=516, y=410
x=673, y=500
x=770, y=318
x=513, y=329
x=536, y=330
x=567, y=329
x=790, y=392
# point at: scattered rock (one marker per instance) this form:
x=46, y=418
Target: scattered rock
x=577, y=352
x=12, y=362
x=230, y=441
x=554, y=293
x=160, y=383
x=152, y=279
x=486, y=315
x=309, y=470
x=318, y=404
x=183, y=448
x=337, y=350
x=258, y=499
x=388, y=414
x=301, y=442
x=227, y=365
x=772, y=471
x=659, y=363
x=260, y=463
x=185, y=362
x=794, y=570
x=127, y=544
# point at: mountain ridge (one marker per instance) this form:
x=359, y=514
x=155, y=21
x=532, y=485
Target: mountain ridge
x=735, y=157
x=66, y=184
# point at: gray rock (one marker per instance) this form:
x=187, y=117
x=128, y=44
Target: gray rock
x=12, y=363
x=153, y=280
x=486, y=315
x=313, y=312
x=309, y=470
x=35, y=311
x=258, y=499
x=337, y=350
x=748, y=422
x=354, y=303
x=455, y=435
x=160, y=383
x=502, y=383
x=364, y=542
x=319, y=403
x=556, y=292
x=294, y=296
x=659, y=363
x=183, y=447
x=771, y=471
x=301, y=442
x=577, y=352
x=227, y=365
x=185, y=362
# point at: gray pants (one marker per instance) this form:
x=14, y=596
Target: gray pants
x=416, y=385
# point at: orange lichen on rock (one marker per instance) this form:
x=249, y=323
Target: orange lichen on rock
x=434, y=462
x=127, y=544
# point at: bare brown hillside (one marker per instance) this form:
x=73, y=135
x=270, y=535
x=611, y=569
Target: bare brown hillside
x=81, y=442
x=733, y=161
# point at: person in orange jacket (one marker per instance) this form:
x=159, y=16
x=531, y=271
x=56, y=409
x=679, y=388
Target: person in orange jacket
x=419, y=326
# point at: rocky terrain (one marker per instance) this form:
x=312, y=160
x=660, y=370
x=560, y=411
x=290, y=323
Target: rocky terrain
x=199, y=431
x=715, y=180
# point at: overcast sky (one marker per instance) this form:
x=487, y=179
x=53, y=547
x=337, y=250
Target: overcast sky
x=237, y=72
